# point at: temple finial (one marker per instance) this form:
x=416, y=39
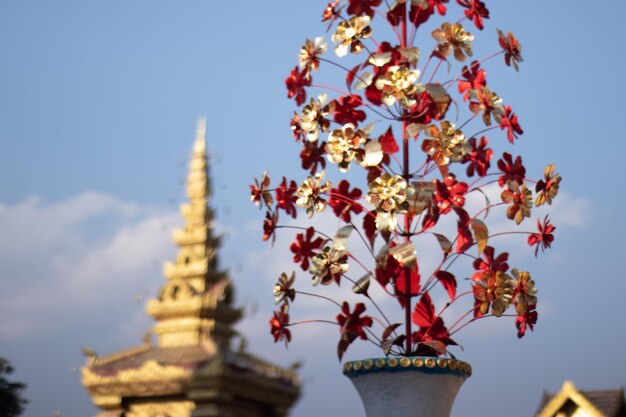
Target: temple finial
x=199, y=145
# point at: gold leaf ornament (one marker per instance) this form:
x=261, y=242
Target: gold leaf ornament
x=404, y=253
x=481, y=234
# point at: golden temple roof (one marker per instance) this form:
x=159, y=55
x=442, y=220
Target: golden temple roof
x=592, y=403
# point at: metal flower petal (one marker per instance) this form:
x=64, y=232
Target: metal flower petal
x=548, y=187
x=283, y=290
x=525, y=291
x=445, y=145
x=313, y=120
x=328, y=266
x=398, y=83
x=389, y=194
x=344, y=145
x=521, y=200
x=349, y=34
x=495, y=291
x=310, y=194
x=310, y=52
x=453, y=37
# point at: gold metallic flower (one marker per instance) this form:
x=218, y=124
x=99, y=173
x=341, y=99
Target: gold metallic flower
x=526, y=293
x=309, y=194
x=389, y=194
x=494, y=290
x=283, y=290
x=313, y=119
x=344, y=145
x=446, y=145
x=349, y=34
x=548, y=187
x=521, y=200
x=398, y=83
x=310, y=52
x=454, y=37
x=328, y=266
x=487, y=102
x=259, y=193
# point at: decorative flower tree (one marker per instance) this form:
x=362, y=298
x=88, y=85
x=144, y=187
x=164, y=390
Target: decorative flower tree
x=404, y=118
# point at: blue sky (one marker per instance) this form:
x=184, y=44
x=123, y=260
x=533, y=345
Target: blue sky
x=98, y=105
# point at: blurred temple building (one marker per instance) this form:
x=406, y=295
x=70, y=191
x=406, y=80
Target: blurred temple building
x=191, y=370
x=571, y=402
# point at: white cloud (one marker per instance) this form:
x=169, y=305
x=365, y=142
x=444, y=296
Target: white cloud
x=80, y=258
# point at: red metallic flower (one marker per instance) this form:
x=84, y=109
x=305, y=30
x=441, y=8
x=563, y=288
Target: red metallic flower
x=343, y=201
x=346, y=110
x=474, y=79
x=428, y=7
x=312, y=155
x=304, y=246
x=476, y=11
x=396, y=13
x=269, y=226
x=511, y=170
x=526, y=320
x=510, y=123
x=279, y=323
x=361, y=7
x=388, y=142
x=295, y=82
x=512, y=49
x=419, y=13
x=331, y=12
x=431, y=329
x=351, y=326
x=425, y=110
x=285, y=197
x=479, y=158
x=450, y=193
x=544, y=237
x=490, y=263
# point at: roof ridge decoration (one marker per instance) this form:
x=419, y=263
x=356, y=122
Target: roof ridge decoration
x=195, y=304
x=569, y=392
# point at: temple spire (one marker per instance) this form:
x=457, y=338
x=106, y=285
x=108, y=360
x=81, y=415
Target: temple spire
x=191, y=371
x=194, y=305
x=199, y=146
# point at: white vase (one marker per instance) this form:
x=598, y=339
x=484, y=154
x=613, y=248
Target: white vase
x=415, y=386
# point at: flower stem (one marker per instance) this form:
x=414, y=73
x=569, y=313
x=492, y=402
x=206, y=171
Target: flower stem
x=310, y=294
